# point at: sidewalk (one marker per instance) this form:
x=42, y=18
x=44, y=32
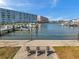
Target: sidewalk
x=39, y=43
x=22, y=54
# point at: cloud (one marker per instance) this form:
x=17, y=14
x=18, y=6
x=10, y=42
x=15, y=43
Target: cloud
x=54, y=3
x=28, y=4
x=15, y=4
x=4, y=4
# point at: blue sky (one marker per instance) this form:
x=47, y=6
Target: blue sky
x=53, y=9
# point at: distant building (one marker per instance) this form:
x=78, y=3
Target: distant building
x=10, y=16
x=76, y=21
x=42, y=19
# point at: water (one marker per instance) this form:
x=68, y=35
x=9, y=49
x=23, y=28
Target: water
x=46, y=32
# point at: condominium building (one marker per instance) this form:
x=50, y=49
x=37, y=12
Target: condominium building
x=10, y=16
x=42, y=19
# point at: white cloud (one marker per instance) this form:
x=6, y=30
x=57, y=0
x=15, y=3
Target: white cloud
x=28, y=4
x=2, y=3
x=54, y=3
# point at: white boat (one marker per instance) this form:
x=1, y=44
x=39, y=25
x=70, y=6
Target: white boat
x=24, y=28
x=62, y=24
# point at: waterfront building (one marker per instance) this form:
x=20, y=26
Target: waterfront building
x=42, y=19
x=76, y=21
x=10, y=16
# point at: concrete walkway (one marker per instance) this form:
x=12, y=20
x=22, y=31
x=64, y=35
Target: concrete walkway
x=22, y=54
x=39, y=43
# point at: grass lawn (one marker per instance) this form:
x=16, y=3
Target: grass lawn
x=8, y=52
x=67, y=52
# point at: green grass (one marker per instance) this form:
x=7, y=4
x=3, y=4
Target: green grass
x=8, y=52
x=67, y=52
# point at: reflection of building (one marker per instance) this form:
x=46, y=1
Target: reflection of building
x=42, y=19
x=9, y=16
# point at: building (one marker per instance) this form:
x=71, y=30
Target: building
x=75, y=21
x=42, y=19
x=10, y=16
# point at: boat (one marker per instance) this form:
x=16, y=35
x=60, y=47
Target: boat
x=24, y=28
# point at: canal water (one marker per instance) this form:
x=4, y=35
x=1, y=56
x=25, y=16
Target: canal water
x=45, y=32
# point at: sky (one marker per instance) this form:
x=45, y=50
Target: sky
x=53, y=9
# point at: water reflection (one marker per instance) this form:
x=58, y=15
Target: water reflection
x=56, y=31
x=46, y=31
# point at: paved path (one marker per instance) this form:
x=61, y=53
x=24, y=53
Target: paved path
x=22, y=54
x=39, y=43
